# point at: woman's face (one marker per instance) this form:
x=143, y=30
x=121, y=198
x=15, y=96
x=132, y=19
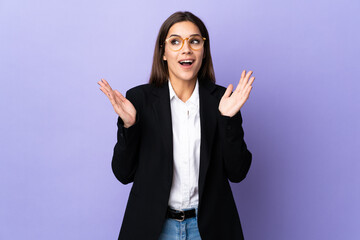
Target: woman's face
x=178, y=70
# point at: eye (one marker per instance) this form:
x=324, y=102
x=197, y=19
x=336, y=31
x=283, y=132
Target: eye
x=195, y=41
x=175, y=41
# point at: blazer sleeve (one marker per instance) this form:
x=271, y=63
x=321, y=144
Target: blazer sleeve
x=125, y=157
x=236, y=157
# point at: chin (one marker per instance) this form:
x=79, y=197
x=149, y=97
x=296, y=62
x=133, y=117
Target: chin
x=188, y=78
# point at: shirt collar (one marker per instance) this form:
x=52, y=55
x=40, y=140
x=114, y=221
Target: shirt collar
x=194, y=96
x=171, y=90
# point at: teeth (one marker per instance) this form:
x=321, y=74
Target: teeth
x=186, y=61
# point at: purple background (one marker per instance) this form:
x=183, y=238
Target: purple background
x=58, y=130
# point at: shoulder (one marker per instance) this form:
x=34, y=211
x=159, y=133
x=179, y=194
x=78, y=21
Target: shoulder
x=214, y=89
x=140, y=95
x=219, y=91
x=139, y=89
x=220, y=88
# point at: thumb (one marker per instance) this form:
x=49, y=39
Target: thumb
x=228, y=91
x=118, y=94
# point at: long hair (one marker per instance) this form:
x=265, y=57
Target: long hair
x=159, y=72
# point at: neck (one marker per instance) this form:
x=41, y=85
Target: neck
x=183, y=89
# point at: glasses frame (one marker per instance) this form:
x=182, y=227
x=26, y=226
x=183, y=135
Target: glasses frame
x=183, y=41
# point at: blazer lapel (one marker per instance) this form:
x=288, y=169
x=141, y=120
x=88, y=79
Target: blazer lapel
x=208, y=112
x=162, y=110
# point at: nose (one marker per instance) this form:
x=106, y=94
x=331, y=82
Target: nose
x=186, y=47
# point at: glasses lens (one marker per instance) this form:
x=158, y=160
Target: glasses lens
x=175, y=43
x=196, y=42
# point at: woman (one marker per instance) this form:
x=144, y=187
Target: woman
x=180, y=140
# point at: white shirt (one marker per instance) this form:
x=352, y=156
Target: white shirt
x=186, y=149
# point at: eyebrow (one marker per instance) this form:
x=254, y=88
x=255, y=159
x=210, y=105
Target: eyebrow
x=176, y=35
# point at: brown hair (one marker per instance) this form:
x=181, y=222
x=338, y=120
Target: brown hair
x=159, y=72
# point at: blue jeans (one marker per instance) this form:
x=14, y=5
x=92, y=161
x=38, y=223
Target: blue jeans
x=185, y=230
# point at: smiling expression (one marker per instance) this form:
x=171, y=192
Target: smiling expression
x=184, y=64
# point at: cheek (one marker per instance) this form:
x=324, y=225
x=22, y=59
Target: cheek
x=168, y=55
x=201, y=58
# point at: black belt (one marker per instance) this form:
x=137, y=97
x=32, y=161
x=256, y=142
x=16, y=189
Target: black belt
x=180, y=215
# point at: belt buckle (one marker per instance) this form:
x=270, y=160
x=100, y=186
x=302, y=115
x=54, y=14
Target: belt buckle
x=183, y=216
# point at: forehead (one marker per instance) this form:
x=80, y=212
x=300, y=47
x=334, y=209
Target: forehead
x=184, y=29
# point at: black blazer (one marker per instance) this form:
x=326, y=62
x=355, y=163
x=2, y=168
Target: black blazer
x=143, y=155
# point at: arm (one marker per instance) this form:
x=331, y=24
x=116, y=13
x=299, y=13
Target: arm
x=125, y=158
x=126, y=151
x=237, y=158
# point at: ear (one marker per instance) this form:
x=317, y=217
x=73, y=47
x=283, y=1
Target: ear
x=164, y=58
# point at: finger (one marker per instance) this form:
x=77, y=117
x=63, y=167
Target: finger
x=117, y=99
x=245, y=81
x=243, y=73
x=102, y=81
x=247, y=92
x=121, y=97
x=248, y=84
x=237, y=89
x=242, y=76
x=106, y=84
x=240, y=81
x=111, y=97
x=228, y=91
x=248, y=76
x=250, y=81
x=103, y=84
x=104, y=91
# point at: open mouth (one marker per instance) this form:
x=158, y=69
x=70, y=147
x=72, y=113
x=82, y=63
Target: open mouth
x=186, y=62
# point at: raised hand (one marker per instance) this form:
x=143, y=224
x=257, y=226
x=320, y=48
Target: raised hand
x=122, y=106
x=230, y=105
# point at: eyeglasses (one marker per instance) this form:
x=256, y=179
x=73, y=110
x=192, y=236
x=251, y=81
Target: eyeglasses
x=176, y=43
